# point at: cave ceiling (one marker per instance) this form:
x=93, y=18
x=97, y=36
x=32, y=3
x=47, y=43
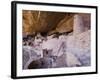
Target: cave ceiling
x=48, y=22
x=42, y=21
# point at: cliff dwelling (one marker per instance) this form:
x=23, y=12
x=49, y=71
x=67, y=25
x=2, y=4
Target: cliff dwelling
x=56, y=39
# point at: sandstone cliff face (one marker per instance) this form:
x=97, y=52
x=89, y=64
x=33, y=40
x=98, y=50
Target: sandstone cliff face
x=66, y=24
